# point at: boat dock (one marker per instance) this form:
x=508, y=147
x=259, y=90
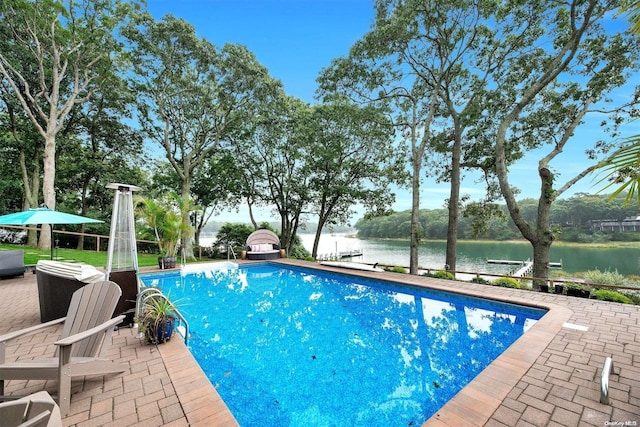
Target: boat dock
x=340, y=255
x=516, y=262
x=526, y=267
x=504, y=261
x=350, y=254
x=525, y=270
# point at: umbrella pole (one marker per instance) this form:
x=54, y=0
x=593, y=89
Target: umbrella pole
x=51, y=245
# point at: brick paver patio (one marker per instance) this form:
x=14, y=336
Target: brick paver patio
x=550, y=377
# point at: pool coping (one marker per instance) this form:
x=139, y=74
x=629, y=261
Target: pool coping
x=201, y=403
x=473, y=405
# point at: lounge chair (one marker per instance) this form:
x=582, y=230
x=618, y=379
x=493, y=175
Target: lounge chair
x=263, y=244
x=37, y=409
x=12, y=263
x=86, y=334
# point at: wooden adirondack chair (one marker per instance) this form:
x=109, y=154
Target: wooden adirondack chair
x=35, y=410
x=86, y=334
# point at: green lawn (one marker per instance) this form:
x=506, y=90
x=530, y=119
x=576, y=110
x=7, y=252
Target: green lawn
x=97, y=259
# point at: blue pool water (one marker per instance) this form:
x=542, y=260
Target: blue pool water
x=287, y=346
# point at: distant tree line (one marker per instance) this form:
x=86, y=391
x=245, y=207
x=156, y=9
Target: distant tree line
x=569, y=221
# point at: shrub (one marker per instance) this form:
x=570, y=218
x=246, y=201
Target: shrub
x=609, y=295
x=397, y=269
x=605, y=277
x=507, y=282
x=233, y=234
x=441, y=274
x=298, y=251
x=206, y=251
x=634, y=278
x=574, y=285
x=634, y=297
x=480, y=280
x=13, y=237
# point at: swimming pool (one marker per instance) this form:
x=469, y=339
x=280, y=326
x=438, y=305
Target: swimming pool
x=291, y=346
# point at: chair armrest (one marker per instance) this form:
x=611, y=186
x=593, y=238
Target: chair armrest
x=37, y=420
x=72, y=339
x=30, y=330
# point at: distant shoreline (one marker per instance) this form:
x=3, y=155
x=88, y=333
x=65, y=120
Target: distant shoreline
x=613, y=244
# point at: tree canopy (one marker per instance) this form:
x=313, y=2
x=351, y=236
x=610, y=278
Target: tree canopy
x=53, y=56
x=192, y=95
x=486, y=83
x=100, y=91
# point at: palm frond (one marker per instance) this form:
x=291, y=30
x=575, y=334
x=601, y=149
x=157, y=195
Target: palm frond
x=632, y=9
x=622, y=170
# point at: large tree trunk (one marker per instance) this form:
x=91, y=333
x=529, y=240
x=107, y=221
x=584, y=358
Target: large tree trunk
x=197, y=231
x=286, y=233
x=322, y=220
x=454, y=202
x=415, y=216
x=80, y=245
x=186, y=229
x=48, y=182
x=288, y=229
x=544, y=237
x=251, y=216
x=294, y=231
x=31, y=184
x=541, y=250
x=316, y=240
x=83, y=212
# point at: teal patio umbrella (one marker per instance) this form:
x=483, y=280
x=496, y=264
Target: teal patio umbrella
x=44, y=215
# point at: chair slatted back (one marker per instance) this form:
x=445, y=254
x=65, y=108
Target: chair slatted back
x=34, y=410
x=90, y=306
x=13, y=413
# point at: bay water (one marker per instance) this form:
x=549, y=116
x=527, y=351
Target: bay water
x=472, y=256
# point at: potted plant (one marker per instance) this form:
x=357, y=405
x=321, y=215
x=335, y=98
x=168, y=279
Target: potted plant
x=158, y=319
x=164, y=226
x=578, y=290
x=558, y=288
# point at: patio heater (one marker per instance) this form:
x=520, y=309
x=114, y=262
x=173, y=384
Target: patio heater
x=122, y=257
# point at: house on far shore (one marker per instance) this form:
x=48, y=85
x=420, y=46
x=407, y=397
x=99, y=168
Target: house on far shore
x=631, y=223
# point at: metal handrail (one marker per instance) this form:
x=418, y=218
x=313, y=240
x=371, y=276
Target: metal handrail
x=152, y=292
x=230, y=249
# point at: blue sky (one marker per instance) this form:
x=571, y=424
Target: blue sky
x=295, y=39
